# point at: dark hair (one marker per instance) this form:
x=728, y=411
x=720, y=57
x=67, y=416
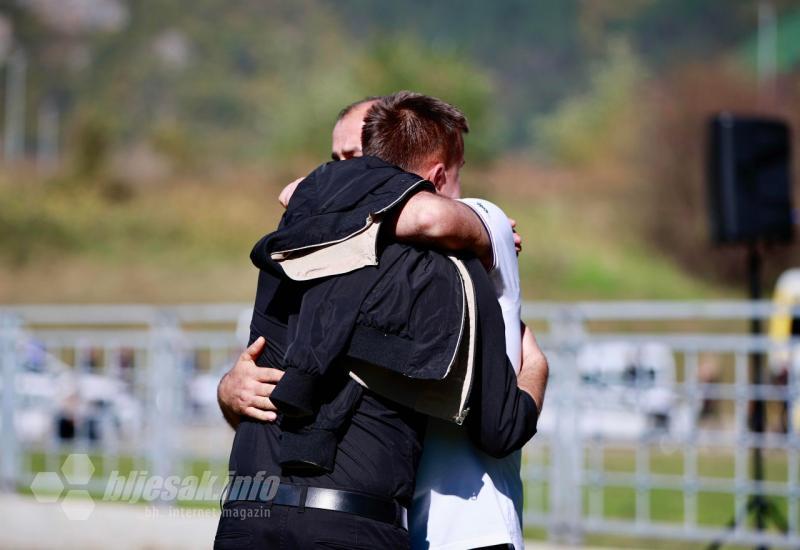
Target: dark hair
x=346, y=111
x=407, y=129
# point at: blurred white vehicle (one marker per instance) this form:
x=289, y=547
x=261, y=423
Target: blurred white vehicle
x=40, y=385
x=106, y=410
x=203, y=387
x=203, y=394
x=52, y=400
x=626, y=391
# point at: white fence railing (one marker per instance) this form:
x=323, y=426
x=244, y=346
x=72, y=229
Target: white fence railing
x=646, y=423
x=645, y=431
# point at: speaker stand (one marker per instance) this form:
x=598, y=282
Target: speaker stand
x=761, y=507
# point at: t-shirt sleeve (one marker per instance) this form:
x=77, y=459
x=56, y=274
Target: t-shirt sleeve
x=504, y=273
x=500, y=233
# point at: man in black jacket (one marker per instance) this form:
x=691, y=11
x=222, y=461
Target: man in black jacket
x=426, y=219
x=361, y=502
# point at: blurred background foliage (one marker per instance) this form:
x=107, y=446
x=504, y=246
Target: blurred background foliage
x=179, y=122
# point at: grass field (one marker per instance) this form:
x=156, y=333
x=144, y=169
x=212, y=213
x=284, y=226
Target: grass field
x=714, y=509
x=124, y=465
x=189, y=239
x=177, y=242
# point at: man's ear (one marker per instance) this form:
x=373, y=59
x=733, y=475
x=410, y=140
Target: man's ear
x=437, y=175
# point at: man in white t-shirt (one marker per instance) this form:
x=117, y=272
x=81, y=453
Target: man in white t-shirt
x=464, y=498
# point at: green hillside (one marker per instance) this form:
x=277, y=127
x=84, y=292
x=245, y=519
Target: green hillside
x=263, y=77
x=190, y=241
x=787, y=38
x=178, y=123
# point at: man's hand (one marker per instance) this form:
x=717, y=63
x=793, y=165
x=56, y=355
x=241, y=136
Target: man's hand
x=287, y=192
x=517, y=236
x=245, y=389
x=534, y=371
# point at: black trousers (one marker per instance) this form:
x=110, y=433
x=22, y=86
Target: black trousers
x=252, y=525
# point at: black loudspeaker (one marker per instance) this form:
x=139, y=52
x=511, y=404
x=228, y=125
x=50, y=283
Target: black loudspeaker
x=749, y=180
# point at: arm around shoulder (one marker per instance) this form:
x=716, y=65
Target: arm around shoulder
x=429, y=219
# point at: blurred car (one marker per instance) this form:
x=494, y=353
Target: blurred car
x=40, y=385
x=203, y=394
x=106, y=409
x=203, y=387
x=53, y=401
x=626, y=391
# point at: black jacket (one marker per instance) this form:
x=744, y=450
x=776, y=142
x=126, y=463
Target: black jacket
x=404, y=314
x=333, y=202
x=378, y=449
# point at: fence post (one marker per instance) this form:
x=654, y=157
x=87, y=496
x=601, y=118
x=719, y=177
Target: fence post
x=163, y=392
x=9, y=363
x=566, y=461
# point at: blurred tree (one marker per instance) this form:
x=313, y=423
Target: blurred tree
x=90, y=146
x=671, y=203
x=396, y=63
x=599, y=121
x=531, y=51
x=264, y=77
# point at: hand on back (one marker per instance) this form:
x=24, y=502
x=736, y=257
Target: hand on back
x=246, y=388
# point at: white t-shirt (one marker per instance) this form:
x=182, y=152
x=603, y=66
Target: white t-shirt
x=464, y=498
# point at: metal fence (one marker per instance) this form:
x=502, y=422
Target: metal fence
x=644, y=432
x=691, y=446
x=132, y=386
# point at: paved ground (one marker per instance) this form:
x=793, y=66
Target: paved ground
x=29, y=525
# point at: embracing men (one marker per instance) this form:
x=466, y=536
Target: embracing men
x=462, y=496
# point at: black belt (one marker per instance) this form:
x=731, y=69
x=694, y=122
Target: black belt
x=300, y=496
